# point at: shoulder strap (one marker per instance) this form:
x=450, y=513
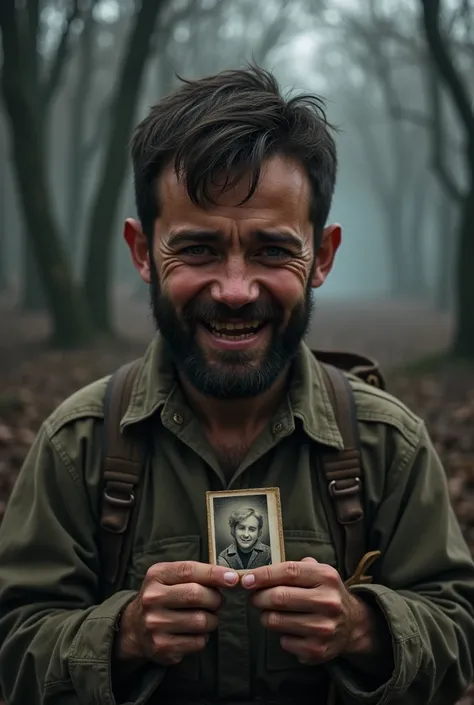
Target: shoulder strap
x=344, y=475
x=123, y=460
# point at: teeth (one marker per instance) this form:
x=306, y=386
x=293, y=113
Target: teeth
x=217, y=325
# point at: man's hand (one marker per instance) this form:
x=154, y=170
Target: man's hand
x=174, y=612
x=307, y=602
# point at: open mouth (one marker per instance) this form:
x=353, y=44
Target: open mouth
x=234, y=331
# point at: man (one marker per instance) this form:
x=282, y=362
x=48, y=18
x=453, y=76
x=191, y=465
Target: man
x=246, y=550
x=233, y=188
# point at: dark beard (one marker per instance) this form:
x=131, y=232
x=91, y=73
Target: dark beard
x=235, y=375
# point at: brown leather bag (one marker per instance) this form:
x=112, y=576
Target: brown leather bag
x=125, y=456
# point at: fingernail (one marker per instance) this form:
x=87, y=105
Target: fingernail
x=248, y=580
x=230, y=577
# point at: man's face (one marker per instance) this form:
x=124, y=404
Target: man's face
x=231, y=284
x=247, y=533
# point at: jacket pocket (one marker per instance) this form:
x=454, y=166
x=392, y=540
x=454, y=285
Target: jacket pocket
x=176, y=548
x=180, y=679
x=298, y=545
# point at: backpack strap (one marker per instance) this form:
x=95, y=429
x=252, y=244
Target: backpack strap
x=123, y=461
x=344, y=475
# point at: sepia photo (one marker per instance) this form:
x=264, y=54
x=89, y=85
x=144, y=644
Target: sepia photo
x=245, y=528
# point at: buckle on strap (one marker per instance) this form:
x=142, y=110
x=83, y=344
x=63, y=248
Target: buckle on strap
x=344, y=488
x=119, y=502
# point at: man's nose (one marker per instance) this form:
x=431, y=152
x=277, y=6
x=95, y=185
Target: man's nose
x=235, y=287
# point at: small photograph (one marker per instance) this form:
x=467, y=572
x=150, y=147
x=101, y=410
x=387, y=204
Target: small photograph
x=245, y=529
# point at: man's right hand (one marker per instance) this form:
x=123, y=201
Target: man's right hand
x=174, y=612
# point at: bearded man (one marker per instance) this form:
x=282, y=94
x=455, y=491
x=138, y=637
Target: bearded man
x=233, y=189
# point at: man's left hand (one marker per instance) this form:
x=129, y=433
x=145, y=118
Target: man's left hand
x=307, y=602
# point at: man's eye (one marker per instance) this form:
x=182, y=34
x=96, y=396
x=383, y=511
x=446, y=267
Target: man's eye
x=275, y=252
x=196, y=250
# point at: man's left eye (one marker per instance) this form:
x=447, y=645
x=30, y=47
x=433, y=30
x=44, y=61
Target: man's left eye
x=275, y=252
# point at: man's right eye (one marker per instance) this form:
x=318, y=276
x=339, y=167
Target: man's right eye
x=196, y=250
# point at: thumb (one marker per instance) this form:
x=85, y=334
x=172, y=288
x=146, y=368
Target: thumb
x=308, y=559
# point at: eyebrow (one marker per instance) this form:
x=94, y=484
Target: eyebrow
x=265, y=237
x=271, y=237
x=185, y=237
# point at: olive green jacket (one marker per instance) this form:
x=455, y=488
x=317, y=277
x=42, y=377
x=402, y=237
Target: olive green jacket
x=56, y=633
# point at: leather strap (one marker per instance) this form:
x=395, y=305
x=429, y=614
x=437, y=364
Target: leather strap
x=122, y=466
x=344, y=475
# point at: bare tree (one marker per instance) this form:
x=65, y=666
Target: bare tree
x=369, y=71
x=21, y=91
x=457, y=87
x=47, y=75
x=3, y=220
x=392, y=42
x=81, y=151
x=75, y=316
x=101, y=228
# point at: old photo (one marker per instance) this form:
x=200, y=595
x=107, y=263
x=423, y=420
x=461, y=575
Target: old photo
x=245, y=528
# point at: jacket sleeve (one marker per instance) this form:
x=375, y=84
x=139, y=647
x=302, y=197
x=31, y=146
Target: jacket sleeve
x=55, y=640
x=423, y=587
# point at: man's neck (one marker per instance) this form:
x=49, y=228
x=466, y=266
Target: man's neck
x=236, y=415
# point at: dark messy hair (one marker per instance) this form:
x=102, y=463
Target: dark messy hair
x=225, y=126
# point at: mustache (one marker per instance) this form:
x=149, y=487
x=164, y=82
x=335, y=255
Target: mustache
x=208, y=311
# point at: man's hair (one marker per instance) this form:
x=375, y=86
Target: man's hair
x=225, y=126
x=241, y=515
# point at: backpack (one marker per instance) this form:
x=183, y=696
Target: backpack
x=124, y=457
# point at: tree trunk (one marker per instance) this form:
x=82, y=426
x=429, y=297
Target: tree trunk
x=446, y=252
x=3, y=259
x=3, y=221
x=101, y=230
x=417, y=286
x=71, y=327
x=77, y=144
x=32, y=294
x=463, y=345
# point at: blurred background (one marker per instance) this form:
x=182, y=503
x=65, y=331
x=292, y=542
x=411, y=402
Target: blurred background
x=398, y=78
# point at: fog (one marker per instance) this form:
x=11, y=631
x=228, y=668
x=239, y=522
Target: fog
x=404, y=171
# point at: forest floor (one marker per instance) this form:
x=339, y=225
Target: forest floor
x=33, y=379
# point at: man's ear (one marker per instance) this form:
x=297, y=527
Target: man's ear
x=138, y=246
x=325, y=255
